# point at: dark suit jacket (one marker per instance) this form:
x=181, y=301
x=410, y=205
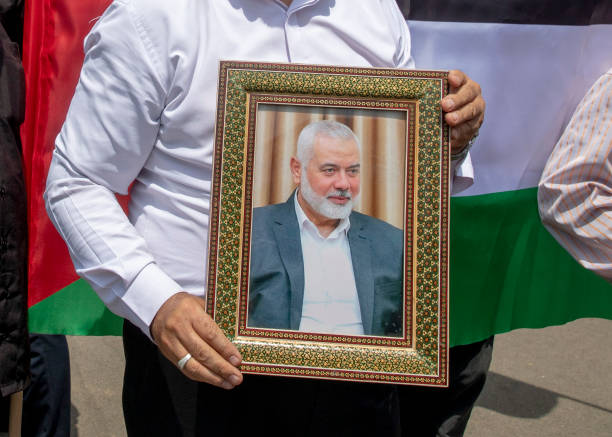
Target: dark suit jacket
x=277, y=270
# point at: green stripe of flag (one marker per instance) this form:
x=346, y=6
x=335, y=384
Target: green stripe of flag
x=74, y=310
x=507, y=272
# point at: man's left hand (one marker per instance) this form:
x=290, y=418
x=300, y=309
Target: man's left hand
x=464, y=108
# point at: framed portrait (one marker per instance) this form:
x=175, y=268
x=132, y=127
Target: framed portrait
x=329, y=221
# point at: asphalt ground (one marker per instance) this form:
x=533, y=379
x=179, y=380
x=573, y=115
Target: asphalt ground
x=555, y=381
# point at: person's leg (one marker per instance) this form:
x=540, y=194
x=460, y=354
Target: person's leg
x=261, y=405
x=158, y=400
x=356, y=409
x=280, y=406
x=444, y=412
x=46, y=402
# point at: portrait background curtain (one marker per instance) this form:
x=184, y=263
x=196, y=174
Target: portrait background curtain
x=382, y=135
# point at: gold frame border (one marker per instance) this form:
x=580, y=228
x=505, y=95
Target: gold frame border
x=375, y=359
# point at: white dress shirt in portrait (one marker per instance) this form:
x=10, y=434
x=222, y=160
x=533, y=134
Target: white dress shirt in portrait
x=331, y=304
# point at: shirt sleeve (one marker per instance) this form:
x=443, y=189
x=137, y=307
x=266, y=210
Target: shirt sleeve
x=462, y=174
x=109, y=132
x=575, y=191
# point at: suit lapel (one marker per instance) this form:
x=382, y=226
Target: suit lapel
x=287, y=234
x=362, y=268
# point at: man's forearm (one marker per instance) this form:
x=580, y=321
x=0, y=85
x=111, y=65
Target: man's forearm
x=106, y=249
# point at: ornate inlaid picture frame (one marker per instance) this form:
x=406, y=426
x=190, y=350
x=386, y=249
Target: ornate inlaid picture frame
x=375, y=308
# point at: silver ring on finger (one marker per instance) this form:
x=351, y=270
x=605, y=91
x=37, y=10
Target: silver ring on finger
x=183, y=361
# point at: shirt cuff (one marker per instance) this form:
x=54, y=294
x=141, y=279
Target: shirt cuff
x=146, y=294
x=462, y=174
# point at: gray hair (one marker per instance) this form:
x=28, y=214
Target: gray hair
x=328, y=128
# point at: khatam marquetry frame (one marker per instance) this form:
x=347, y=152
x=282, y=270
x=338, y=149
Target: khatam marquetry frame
x=420, y=356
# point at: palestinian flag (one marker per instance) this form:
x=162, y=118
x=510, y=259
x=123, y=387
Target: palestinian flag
x=534, y=59
x=59, y=302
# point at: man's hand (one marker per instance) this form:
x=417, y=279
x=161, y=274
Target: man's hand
x=180, y=326
x=464, y=108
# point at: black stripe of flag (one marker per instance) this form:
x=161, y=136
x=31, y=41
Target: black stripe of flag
x=551, y=12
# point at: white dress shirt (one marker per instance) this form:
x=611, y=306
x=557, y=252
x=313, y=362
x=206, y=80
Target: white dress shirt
x=575, y=192
x=331, y=303
x=143, y=113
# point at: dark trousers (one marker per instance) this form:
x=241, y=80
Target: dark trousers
x=159, y=401
x=46, y=401
x=445, y=412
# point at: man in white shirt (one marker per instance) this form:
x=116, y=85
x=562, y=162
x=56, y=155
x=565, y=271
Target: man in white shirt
x=142, y=116
x=318, y=266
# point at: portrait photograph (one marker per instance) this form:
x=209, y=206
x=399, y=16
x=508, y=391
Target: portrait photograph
x=329, y=222
x=344, y=170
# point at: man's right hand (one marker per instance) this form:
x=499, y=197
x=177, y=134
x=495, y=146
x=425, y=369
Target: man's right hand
x=182, y=326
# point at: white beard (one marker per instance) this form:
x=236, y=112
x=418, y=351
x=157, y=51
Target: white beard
x=321, y=204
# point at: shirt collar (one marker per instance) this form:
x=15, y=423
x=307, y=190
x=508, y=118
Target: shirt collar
x=303, y=220
x=296, y=5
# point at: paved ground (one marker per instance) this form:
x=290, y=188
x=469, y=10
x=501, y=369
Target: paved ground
x=543, y=383
x=549, y=382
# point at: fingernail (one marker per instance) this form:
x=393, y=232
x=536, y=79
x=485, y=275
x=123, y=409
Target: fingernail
x=449, y=103
x=454, y=117
x=227, y=385
x=234, y=380
x=234, y=360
